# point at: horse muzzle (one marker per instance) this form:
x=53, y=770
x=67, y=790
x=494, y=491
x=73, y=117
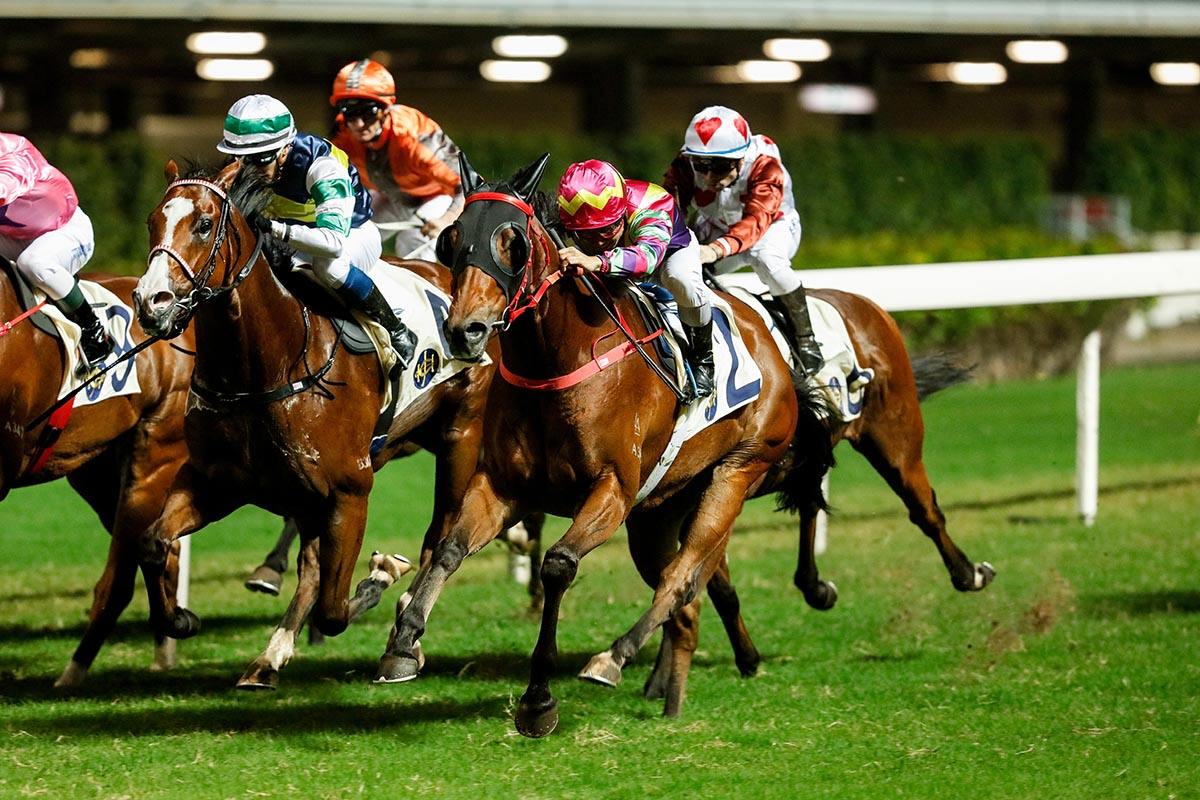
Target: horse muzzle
x=468, y=340
x=160, y=315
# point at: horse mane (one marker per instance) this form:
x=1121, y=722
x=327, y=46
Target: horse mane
x=250, y=194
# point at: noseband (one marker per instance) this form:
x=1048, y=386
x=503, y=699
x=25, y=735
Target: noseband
x=201, y=292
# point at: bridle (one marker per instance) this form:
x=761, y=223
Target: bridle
x=201, y=292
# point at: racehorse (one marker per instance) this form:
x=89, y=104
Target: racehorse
x=270, y=377
x=119, y=454
x=584, y=451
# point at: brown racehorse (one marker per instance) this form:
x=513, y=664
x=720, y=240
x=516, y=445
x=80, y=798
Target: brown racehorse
x=583, y=452
x=270, y=379
x=120, y=455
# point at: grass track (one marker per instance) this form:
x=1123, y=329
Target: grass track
x=1076, y=674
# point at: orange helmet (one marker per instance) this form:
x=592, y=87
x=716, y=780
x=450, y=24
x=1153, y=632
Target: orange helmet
x=364, y=80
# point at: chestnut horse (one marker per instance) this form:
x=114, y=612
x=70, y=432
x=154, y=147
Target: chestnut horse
x=119, y=454
x=271, y=377
x=584, y=451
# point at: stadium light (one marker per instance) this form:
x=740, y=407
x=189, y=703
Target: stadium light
x=226, y=43
x=838, y=98
x=1036, y=51
x=1176, y=73
x=758, y=71
x=547, y=46
x=235, y=69
x=970, y=73
x=797, y=49
x=91, y=58
x=515, y=71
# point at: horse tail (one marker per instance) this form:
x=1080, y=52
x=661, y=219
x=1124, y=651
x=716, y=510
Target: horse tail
x=936, y=372
x=811, y=454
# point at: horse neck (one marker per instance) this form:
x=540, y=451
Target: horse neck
x=249, y=337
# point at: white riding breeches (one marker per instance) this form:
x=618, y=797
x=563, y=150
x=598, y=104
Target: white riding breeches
x=361, y=249
x=51, y=260
x=771, y=256
x=683, y=276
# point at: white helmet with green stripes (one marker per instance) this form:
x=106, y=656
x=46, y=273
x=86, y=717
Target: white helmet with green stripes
x=258, y=123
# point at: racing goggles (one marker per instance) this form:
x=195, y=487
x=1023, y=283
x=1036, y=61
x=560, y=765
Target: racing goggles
x=713, y=166
x=365, y=111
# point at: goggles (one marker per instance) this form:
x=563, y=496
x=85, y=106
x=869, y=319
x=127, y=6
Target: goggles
x=713, y=166
x=361, y=111
x=259, y=159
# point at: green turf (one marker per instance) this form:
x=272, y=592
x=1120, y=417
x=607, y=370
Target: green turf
x=1075, y=675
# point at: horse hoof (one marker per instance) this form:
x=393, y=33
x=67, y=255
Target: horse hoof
x=265, y=580
x=749, y=667
x=184, y=624
x=536, y=722
x=261, y=679
x=397, y=669
x=823, y=596
x=602, y=669
x=984, y=573
x=72, y=676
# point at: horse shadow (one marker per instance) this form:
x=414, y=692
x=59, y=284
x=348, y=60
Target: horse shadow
x=1140, y=604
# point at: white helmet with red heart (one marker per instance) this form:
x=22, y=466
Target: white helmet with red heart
x=717, y=132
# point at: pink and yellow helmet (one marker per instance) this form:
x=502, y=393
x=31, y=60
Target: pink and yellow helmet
x=591, y=195
x=717, y=132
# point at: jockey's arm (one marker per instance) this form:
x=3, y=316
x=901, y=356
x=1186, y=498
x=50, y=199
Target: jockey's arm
x=760, y=211
x=329, y=186
x=17, y=176
x=650, y=232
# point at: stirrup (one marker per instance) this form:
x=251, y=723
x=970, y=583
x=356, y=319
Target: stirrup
x=808, y=353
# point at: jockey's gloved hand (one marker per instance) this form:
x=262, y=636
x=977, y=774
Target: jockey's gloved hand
x=259, y=222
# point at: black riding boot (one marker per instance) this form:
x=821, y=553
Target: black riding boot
x=795, y=305
x=376, y=306
x=95, y=341
x=700, y=339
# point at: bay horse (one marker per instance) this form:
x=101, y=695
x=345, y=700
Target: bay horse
x=585, y=451
x=119, y=454
x=281, y=415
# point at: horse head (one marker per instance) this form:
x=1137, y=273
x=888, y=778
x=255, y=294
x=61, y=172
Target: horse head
x=197, y=235
x=495, y=250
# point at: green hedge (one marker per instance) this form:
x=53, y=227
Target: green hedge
x=1158, y=170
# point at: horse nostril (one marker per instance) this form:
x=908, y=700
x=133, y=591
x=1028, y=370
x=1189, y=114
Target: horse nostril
x=161, y=300
x=475, y=331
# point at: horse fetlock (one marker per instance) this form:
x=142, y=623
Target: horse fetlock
x=183, y=624
x=822, y=595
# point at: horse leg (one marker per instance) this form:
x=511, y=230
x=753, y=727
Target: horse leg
x=384, y=571
x=682, y=630
x=697, y=560
x=482, y=516
x=595, y=522
x=190, y=505
x=725, y=600
x=534, y=523
x=267, y=577
x=263, y=672
x=898, y=459
x=818, y=593
x=126, y=499
x=653, y=541
x=341, y=534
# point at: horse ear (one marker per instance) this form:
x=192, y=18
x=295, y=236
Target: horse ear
x=471, y=179
x=227, y=174
x=171, y=171
x=526, y=180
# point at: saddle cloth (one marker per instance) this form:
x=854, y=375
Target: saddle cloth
x=842, y=378
x=117, y=319
x=423, y=307
x=737, y=380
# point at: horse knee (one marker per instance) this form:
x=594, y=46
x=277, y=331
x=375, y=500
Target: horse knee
x=153, y=550
x=558, y=570
x=448, y=555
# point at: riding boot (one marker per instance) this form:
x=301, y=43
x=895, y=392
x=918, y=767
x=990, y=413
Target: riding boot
x=376, y=306
x=94, y=339
x=700, y=340
x=795, y=306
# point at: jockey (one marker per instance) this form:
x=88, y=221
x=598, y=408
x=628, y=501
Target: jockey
x=45, y=233
x=404, y=158
x=745, y=214
x=630, y=229
x=317, y=206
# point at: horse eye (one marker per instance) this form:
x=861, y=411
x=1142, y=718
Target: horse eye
x=204, y=226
